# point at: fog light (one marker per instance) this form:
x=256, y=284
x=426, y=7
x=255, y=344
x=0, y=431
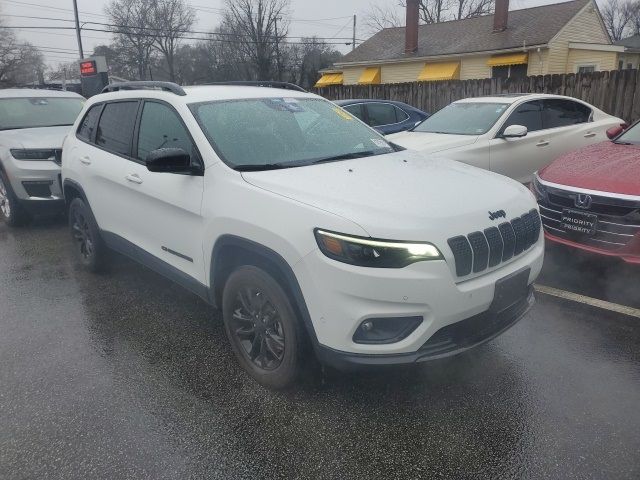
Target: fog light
x=367, y=326
x=385, y=330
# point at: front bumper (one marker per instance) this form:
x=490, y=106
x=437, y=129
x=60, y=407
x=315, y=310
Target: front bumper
x=450, y=340
x=341, y=297
x=36, y=184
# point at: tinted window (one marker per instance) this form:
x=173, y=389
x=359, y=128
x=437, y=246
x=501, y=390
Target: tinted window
x=160, y=127
x=560, y=113
x=355, y=110
x=88, y=124
x=381, y=114
x=528, y=114
x=116, y=126
x=401, y=115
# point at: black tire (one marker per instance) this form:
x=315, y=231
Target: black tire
x=88, y=246
x=10, y=209
x=261, y=325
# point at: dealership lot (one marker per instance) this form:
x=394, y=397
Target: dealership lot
x=127, y=375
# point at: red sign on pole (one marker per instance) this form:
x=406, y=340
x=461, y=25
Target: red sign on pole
x=88, y=68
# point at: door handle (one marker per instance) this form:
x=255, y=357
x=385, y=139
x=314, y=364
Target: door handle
x=85, y=160
x=542, y=144
x=589, y=134
x=133, y=178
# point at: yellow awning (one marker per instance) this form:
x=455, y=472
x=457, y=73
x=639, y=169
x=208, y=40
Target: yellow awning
x=508, y=59
x=371, y=76
x=440, y=71
x=329, y=79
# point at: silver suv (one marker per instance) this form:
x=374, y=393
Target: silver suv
x=33, y=124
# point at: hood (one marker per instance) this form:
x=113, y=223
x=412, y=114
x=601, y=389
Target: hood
x=605, y=167
x=431, y=142
x=402, y=196
x=42, y=137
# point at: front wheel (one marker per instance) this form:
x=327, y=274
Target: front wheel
x=10, y=209
x=262, y=327
x=89, y=247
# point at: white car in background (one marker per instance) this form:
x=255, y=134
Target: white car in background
x=33, y=124
x=514, y=135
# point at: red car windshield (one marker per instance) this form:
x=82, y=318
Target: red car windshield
x=631, y=136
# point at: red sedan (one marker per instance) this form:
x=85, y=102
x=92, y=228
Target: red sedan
x=590, y=199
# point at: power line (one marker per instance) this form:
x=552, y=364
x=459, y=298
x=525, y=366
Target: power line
x=28, y=4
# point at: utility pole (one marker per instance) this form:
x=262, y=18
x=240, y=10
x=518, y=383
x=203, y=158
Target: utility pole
x=75, y=11
x=278, y=72
x=353, y=44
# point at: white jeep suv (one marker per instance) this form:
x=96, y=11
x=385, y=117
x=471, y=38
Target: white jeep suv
x=305, y=226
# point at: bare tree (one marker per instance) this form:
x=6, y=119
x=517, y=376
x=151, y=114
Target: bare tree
x=472, y=8
x=617, y=15
x=133, y=31
x=20, y=62
x=381, y=16
x=171, y=21
x=634, y=20
x=257, y=29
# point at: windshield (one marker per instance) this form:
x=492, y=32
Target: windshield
x=631, y=136
x=464, y=118
x=36, y=112
x=255, y=134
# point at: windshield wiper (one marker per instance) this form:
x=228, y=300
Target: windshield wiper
x=259, y=168
x=35, y=126
x=346, y=156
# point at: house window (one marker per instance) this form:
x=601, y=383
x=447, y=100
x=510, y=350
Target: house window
x=586, y=68
x=620, y=64
x=509, y=71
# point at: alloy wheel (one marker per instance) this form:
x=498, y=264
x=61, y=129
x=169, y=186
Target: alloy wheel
x=82, y=235
x=257, y=328
x=5, y=205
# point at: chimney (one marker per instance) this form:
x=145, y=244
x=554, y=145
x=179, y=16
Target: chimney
x=411, y=30
x=501, y=16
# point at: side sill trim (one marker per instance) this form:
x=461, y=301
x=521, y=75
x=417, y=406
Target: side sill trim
x=128, y=249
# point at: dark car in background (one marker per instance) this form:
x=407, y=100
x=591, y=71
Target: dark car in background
x=386, y=116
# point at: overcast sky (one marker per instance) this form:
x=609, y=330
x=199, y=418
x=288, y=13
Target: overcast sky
x=324, y=18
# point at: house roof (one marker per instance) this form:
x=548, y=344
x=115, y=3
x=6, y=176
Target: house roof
x=529, y=26
x=630, y=43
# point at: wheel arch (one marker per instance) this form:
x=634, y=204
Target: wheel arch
x=71, y=190
x=231, y=251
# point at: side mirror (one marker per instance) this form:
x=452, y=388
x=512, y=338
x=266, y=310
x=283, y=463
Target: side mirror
x=613, y=132
x=171, y=160
x=515, y=131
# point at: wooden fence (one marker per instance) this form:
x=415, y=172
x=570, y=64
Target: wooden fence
x=616, y=92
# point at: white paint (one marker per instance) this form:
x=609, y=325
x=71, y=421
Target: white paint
x=594, y=302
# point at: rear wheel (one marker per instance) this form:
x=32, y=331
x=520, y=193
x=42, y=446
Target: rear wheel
x=10, y=209
x=88, y=245
x=262, y=327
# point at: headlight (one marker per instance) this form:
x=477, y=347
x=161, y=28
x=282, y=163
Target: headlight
x=368, y=252
x=33, y=154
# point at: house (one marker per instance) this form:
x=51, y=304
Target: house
x=630, y=58
x=566, y=37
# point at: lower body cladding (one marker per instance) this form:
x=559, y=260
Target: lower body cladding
x=373, y=317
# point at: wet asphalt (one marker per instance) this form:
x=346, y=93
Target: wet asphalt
x=125, y=375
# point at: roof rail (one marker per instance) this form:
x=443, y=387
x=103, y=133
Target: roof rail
x=266, y=83
x=140, y=85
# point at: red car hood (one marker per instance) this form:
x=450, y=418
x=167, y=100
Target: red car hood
x=606, y=167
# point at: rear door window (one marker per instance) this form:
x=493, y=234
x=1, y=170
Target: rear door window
x=529, y=115
x=381, y=114
x=355, y=110
x=561, y=113
x=160, y=127
x=88, y=124
x=115, y=128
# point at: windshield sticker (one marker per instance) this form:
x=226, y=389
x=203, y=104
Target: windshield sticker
x=343, y=113
x=284, y=104
x=379, y=142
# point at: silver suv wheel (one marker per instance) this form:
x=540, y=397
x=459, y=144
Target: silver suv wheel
x=5, y=205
